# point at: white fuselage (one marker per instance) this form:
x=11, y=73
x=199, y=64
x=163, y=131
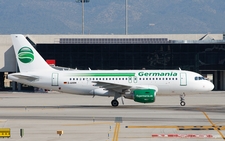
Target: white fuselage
x=83, y=82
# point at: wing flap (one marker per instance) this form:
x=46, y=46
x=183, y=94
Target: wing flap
x=112, y=86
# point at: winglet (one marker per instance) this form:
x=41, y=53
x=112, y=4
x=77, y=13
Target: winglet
x=27, y=57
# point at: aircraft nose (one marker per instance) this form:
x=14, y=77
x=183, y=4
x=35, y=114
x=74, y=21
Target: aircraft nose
x=210, y=86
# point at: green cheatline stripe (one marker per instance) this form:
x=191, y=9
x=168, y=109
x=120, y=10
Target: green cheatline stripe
x=102, y=74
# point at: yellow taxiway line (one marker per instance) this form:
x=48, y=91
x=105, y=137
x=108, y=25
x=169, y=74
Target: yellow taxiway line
x=183, y=127
x=116, y=132
x=214, y=125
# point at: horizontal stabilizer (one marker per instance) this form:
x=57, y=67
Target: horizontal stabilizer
x=25, y=77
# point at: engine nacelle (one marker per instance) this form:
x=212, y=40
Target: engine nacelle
x=144, y=95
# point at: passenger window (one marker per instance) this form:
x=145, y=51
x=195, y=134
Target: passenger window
x=159, y=78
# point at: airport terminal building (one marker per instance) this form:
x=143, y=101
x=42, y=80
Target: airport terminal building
x=203, y=53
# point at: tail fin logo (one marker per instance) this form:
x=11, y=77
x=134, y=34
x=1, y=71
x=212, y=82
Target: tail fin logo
x=26, y=55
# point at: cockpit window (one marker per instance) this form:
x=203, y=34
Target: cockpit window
x=199, y=78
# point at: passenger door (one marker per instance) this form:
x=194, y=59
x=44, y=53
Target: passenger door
x=183, y=79
x=55, y=79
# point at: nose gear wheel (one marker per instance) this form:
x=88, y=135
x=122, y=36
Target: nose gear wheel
x=182, y=100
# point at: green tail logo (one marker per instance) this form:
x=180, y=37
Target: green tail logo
x=26, y=55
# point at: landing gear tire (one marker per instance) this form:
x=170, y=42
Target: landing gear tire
x=182, y=103
x=114, y=103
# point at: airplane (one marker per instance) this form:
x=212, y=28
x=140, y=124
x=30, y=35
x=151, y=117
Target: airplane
x=138, y=85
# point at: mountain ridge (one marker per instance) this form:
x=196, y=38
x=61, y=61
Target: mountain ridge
x=108, y=17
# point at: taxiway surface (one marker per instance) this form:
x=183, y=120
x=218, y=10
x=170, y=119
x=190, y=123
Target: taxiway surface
x=85, y=118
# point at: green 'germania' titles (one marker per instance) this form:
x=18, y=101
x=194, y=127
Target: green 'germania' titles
x=157, y=74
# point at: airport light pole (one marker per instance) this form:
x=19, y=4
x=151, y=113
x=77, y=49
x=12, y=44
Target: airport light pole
x=126, y=17
x=82, y=1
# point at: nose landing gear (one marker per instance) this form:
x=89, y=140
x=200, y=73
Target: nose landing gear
x=182, y=100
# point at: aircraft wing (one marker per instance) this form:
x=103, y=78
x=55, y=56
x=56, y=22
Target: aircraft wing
x=112, y=86
x=25, y=77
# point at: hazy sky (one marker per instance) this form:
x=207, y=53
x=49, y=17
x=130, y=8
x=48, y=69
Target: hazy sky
x=108, y=16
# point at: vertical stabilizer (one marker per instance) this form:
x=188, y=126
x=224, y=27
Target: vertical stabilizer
x=27, y=57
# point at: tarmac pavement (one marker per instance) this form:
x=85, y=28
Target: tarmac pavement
x=83, y=118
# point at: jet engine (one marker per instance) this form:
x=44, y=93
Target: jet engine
x=143, y=95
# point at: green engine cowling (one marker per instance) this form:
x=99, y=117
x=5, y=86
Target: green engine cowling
x=144, y=95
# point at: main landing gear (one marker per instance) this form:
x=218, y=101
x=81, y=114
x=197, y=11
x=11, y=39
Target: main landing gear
x=182, y=102
x=114, y=103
